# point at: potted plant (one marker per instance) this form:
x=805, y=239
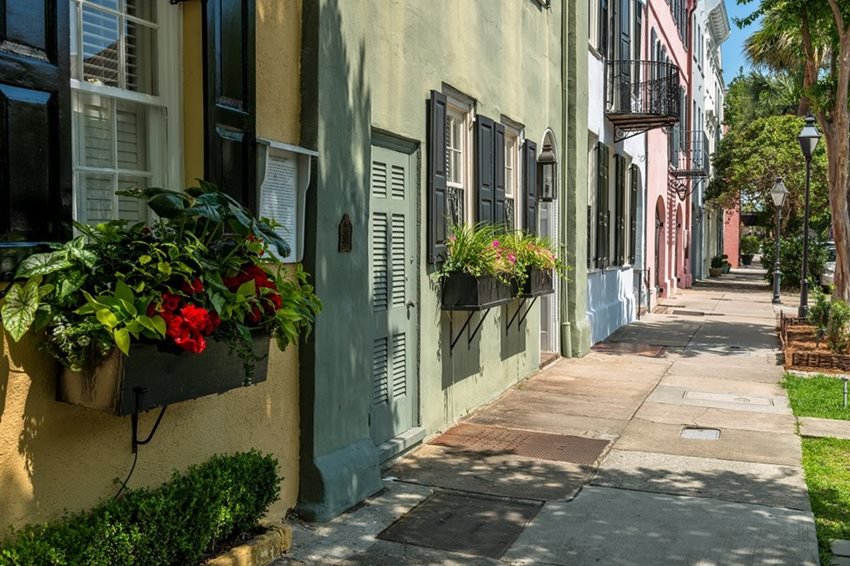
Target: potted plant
x=536, y=265
x=716, y=268
x=726, y=266
x=750, y=246
x=141, y=316
x=477, y=272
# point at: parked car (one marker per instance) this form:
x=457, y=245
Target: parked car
x=827, y=279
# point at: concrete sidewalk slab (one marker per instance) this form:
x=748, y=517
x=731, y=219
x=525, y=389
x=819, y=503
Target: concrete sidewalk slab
x=383, y=553
x=738, y=445
x=572, y=404
x=824, y=428
x=620, y=527
x=692, y=415
x=516, y=415
x=354, y=531
x=678, y=378
x=751, y=403
x=759, y=369
x=490, y=473
x=740, y=482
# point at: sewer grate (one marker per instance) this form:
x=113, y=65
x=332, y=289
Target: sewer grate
x=681, y=312
x=645, y=350
x=539, y=445
x=700, y=433
x=469, y=524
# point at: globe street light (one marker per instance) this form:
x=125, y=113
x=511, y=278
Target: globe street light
x=808, y=139
x=778, y=193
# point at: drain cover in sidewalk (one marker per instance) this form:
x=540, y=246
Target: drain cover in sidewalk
x=700, y=433
x=681, y=312
x=543, y=446
x=646, y=350
x=483, y=526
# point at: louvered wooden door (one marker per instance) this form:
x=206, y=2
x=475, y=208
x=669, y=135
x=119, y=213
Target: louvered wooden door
x=392, y=252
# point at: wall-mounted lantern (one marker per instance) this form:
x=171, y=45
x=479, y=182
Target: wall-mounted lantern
x=547, y=174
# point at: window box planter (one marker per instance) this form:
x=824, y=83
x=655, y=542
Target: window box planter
x=464, y=292
x=539, y=282
x=163, y=377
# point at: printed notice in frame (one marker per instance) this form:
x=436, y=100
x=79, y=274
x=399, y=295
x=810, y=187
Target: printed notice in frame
x=279, y=196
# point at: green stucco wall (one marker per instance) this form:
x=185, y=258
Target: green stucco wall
x=371, y=65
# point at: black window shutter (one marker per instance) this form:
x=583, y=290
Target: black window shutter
x=437, y=194
x=602, y=205
x=529, y=152
x=35, y=121
x=620, y=211
x=634, y=187
x=499, y=174
x=591, y=256
x=484, y=164
x=230, y=115
x=625, y=23
x=603, y=27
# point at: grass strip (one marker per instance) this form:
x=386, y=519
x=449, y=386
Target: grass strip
x=819, y=396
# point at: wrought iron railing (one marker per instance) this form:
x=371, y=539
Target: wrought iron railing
x=689, y=155
x=642, y=95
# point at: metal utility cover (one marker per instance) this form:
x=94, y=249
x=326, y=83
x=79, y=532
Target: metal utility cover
x=543, y=446
x=728, y=398
x=699, y=433
x=479, y=525
x=645, y=350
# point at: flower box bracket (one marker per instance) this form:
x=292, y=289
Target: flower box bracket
x=138, y=392
x=517, y=314
x=466, y=326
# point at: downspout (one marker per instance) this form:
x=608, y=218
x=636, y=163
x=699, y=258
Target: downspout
x=688, y=208
x=564, y=296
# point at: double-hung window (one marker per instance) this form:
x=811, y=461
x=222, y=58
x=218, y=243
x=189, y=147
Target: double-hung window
x=513, y=215
x=458, y=156
x=125, y=95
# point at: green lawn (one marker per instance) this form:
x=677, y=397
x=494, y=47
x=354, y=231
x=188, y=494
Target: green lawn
x=826, y=462
x=817, y=397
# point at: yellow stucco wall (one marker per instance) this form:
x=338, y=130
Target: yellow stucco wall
x=56, y=457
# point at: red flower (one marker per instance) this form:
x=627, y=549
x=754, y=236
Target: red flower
x=170, y=302
x=197, y=318
x=192, y=288
x=274, y=303
x=255, y=315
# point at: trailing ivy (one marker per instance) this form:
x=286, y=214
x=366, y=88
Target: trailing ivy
x=176, y=523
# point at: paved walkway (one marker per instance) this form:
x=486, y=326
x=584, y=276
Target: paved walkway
x=671, y=444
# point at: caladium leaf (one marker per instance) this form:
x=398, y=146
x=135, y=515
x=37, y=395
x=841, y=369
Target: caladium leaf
x=42, y=264
x=19, y=307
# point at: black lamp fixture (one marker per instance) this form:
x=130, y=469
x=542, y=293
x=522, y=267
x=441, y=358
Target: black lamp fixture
x=808, y=139
x=682, y=190
x=778, y=193
x=547, y=174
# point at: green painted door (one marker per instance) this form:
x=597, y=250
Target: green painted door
x=392, y=265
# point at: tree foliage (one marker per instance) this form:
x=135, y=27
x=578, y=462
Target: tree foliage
x=750, y=158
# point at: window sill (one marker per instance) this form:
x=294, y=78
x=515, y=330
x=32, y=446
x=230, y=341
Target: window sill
x=593, y=51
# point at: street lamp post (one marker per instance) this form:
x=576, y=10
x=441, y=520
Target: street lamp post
x=808, y=139
x=778, y=194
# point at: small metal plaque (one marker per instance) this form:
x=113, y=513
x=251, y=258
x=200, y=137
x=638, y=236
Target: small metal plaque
x=345, y=234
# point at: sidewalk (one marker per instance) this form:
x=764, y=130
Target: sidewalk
x=671, y=443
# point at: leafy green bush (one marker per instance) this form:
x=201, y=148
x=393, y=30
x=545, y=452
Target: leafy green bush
x=837, y=329
x=750, y=244
x=819, y=312
x=791, y=259
x=175, y=523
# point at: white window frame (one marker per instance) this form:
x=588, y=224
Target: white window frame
x=593, y=24
x=592, y=175
x=463, y=111
x=164, y=128
x=513, y=143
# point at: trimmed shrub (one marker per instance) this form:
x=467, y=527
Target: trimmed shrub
x=175, y=523
x=750, y=244
x=837, y=330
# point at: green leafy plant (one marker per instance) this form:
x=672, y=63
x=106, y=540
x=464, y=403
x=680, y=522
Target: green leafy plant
x=717, y=262
x=791, y=259
x=175, y=523
x=838, y=327
x=750, y=244
x=819, y=313
x=478, y=250
x=207, y=269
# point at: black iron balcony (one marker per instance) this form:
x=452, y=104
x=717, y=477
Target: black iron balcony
x=641, y=96
x=689, y=155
